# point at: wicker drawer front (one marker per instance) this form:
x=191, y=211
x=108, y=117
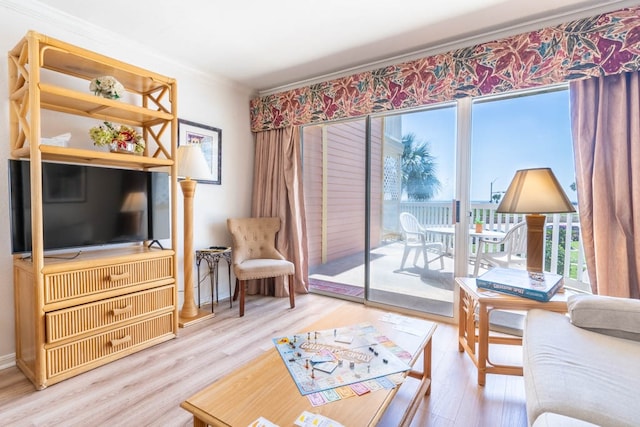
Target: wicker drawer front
x=70, y=322
x=82, y=352
x=72, y=284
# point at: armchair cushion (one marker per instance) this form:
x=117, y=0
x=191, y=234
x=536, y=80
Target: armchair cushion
x=618, y=317
x=261, y=268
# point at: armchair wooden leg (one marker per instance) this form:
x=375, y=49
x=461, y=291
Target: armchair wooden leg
x=242, y=291
x=235, y=291
x=292, y=297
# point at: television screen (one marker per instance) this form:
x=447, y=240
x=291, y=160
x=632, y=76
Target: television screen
x=89, y=205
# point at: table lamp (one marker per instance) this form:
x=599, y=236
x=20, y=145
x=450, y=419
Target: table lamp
x=191, y=164
x=533, y=192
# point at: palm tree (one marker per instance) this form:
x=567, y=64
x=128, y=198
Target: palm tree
x=418, y=169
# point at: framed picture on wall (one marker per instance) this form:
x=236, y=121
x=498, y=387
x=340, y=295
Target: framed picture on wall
x=210, y=140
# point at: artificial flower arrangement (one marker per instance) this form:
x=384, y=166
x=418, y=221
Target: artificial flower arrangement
x=107, y=87
x=118, y=138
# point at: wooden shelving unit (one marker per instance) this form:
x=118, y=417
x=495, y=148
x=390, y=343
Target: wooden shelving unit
x=75, y=315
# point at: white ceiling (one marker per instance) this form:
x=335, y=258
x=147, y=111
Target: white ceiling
x=265, y=44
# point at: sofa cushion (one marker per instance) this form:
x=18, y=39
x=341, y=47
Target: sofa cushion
x=619, y=317
x=578, y=373
x=554, y=420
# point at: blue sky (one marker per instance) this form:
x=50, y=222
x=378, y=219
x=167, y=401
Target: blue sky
x=507, y=135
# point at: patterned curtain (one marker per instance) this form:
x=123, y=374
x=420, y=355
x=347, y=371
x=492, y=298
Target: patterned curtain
x=601, y=45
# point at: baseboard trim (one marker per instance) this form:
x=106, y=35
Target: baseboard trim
x=7, y=361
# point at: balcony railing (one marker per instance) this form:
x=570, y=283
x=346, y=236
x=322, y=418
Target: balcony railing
x=563, y=240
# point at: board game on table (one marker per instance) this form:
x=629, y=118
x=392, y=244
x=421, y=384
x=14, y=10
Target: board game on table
x=331, y=358
x=264, y=387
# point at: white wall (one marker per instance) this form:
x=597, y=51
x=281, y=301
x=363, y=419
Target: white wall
x=203, y=99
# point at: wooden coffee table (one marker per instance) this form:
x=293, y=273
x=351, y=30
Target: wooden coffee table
x=474, y=336
x=264, y=387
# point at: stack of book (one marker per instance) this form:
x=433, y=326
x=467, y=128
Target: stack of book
x=537, y=286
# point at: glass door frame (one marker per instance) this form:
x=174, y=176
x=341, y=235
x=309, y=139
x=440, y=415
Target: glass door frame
x=462, y=195
x=462, y=161
x=367, y=210
x=463, y=187
x=462, y=190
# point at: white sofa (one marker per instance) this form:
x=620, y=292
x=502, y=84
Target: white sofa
x=583, y=368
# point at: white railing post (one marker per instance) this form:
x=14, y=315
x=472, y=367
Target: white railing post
x=568, y=250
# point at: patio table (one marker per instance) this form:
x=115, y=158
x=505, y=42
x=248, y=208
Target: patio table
x=447, y=232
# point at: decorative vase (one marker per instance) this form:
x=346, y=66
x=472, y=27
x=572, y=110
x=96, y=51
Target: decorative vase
x=479, y=227
x=106, y=87
x=123, y=147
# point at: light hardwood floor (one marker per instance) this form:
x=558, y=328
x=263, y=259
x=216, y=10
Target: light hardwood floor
x=146, y=388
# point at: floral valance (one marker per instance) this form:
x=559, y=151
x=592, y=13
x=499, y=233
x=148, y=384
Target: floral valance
x=600, y=45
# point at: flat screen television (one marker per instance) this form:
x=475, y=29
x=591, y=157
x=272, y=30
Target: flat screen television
x=86, y=205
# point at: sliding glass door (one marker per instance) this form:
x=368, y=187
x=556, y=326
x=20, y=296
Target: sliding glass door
x=391, y=200
x=520, y=131
x=335, y=199
x=360, y=177
x=413, y=186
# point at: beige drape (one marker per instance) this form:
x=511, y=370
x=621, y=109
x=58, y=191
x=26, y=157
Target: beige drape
x=605, y=114
x=277, y=191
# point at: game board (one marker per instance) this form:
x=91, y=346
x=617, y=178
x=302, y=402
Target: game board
x=332, y=358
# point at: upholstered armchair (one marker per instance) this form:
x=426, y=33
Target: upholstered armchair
x=255, y=255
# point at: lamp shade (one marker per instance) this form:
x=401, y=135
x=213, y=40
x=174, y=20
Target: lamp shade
x=191, y=162
x=535, y=191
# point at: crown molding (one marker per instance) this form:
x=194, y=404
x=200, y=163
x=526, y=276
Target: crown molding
x=113, y=41
x=470, y=40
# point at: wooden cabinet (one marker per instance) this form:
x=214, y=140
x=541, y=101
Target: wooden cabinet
x=98, y=307
x=76, y=313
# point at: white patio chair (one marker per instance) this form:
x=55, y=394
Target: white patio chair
x=512, y=249
x=414, y=237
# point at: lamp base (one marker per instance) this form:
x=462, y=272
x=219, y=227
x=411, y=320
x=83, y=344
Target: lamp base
x=190, y=313
x=535, y=242
x=202, y=315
